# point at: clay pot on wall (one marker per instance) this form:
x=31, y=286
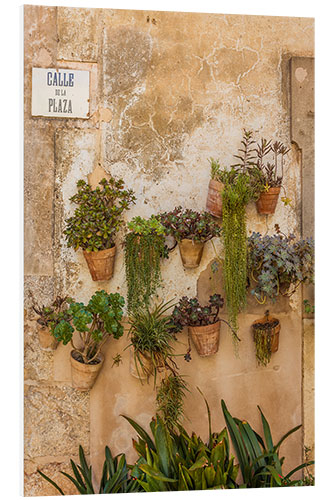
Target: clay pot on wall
x=191, y=252
x=46, y=339
x=214, y=198
x=206, y=338
x=84, y=376
x=267, y=202
x=101, y=263
x=266, y=333
x=141, y=370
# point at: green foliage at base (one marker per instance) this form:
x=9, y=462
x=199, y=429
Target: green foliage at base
x=176, y=461
x=115, y=476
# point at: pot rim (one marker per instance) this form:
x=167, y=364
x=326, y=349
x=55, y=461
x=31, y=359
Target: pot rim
x=100, y=360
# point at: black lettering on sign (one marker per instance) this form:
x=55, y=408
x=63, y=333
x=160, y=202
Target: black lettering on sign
x=60, y=106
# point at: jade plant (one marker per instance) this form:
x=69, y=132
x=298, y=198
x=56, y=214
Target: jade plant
x=144, y=248
x=95, y=323
x=278, y=264
x=189, y=224
x=98, y=215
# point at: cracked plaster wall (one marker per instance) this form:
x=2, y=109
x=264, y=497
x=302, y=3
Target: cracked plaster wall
x=168, y=91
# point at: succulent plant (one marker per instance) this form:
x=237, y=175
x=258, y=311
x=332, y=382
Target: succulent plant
x=186, y=223
x=98, y=215
x=188, y=312
x=95, y=323
x=278, y=262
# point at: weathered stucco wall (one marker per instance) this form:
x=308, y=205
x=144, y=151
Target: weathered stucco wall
x=168, y=91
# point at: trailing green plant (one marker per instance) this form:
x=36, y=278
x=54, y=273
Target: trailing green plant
x=144, y=248
x=97, y=218
x=151, y=334
x=95, y=324
x=278, y=264
x=189, y=224
x=116, y=477
x=263, y=339
x=235, y=197
x=259, y=460
x=170, y=399
x=173, y=460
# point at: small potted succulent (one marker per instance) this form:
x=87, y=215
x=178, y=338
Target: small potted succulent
x=151, y=334
x=191, y=230
x=278, y=264
x=95, y=222
x=94, y=324
x=266, y=338
x=49, y=316
x=202, y=322
x=144, y=248
x=264, y=175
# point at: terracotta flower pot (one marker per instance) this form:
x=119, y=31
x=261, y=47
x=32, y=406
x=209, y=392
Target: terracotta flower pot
x=101, y=263
x=84, y=376
x=266, y=333
x=267, y=202
x=214, y=198
x=46, y=339
x=191, y=252
x=138, y=370
x=206, y=338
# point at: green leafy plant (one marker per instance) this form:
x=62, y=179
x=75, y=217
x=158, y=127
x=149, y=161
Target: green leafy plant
x=189, y=224
x=278, y=264
x=95, y=324
x=144, y=248
x=151, y=334
x=235, y=197
x=115, y=478
x=173, y=460
x=259, y=460
x=308, y=307
x=97, y=218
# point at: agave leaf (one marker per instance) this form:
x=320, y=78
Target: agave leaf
x=236, y=440
x=78, y=476
x=51, y=482
x=147, y=469
x=277, y=446
x=78, y=486
x=306, y=464
x=199, y=463
x=253, y=447
x=145, y=436
x=267, y=431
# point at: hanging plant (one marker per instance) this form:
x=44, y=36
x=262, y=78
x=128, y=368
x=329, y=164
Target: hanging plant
x=144, y=248
x=237, y=193
x=266, y=338
x=170, y=400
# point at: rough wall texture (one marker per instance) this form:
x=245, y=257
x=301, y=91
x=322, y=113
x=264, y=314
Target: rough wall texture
x=168, y=91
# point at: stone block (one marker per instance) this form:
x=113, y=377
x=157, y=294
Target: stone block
x=35, y=485
x=78, y=34
x=56, y=421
